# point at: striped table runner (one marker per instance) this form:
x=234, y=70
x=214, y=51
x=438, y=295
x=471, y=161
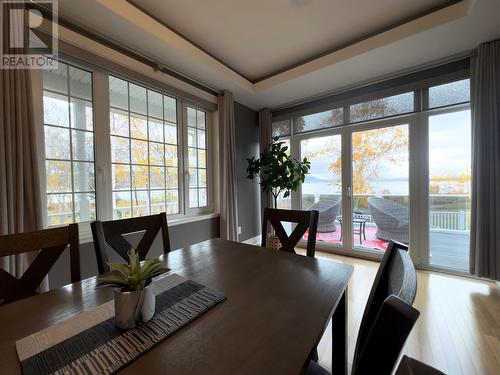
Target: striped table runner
x=89, y=343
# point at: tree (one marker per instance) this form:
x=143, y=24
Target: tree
x=279, y=172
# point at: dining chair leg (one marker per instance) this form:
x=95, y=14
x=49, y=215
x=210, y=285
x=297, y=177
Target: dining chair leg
x=339, y=337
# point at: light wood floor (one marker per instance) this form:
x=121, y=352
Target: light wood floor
x=458, y=331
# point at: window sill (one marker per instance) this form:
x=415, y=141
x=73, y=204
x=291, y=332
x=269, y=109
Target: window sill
x=85, y=232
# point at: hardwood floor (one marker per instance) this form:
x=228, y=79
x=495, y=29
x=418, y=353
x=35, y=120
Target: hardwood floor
x=458, y=331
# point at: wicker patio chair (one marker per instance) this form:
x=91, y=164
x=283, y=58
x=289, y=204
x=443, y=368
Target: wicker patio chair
x=391, y=219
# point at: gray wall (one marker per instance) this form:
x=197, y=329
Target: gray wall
x=247, y=145
x=180, y=236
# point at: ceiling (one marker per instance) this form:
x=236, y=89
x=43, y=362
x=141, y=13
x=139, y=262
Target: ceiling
x=260, y=37
x=271, y=53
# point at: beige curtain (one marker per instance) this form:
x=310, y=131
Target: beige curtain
x=265, y=124
x=20, y=198
x=485, y=105
x=227, y=157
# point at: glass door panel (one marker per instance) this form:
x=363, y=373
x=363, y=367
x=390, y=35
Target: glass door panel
x=449, y=190
x=380, y=187
x=322, y=188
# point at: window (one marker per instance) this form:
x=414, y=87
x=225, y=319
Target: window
x=197, y=157
x=385, y=107
x=69, y=145
x=321, y=120
x=144, y=154
x=281, y=129
x=449, y=93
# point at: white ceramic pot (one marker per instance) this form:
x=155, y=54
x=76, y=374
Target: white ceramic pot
x=132, y=308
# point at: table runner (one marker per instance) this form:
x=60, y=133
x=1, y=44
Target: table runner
x=89, y=343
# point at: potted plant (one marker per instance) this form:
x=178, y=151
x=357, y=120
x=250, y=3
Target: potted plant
x=279, y=173
x=134, y=297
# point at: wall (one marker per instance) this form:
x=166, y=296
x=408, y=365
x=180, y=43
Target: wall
x=181, y=235
x=247, y=145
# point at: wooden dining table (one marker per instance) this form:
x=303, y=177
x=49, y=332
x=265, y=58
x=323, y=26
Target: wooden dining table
x=277, y=308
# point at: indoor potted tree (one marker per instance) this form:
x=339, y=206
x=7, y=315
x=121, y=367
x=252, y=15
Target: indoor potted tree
x=279, y=173
x=134, y=297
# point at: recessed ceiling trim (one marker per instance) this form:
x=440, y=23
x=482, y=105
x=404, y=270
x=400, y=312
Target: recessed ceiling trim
x=287, y=68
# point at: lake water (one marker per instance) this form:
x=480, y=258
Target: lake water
x=398, y=187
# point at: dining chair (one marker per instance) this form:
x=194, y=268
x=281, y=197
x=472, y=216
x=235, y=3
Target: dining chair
x=388, y=317
x=50, y=243
x=112, y=233
x=304, y=220
x=410, y=366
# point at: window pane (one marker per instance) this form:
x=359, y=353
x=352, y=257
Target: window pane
x=449, y=93
x=170, y=156
x=59, y=209
x=390, y=106
x=158, y=202
x=193, y=198
x=121, y=177
x=84, y=178
x=450, y=190
x=81, y=114
x=139, y=151
x=155, y=104
x=120, y=150
x=157, y=177
x=58, y=176
x=80, y=82
x=83, y=145
x=118, y=93
x=155, y=130
x=202, y=177
x=191, y=137
x=140, y=177
x=201, y=139
x=172, y=178
x=191, y=113
x=122, y=205
x=203, y=197
x=85, y=207
x=170, y=107
x=192, y=156
x=193, y=177
x=140, y=203
x=137, y=95
x=156, y=154
x=57, y=143
x=55, y=109
x=56, y=79
x=172, y=202
x=118, y=122
x=138, y=126
x=281, y=128
x=321, y=120
x=200, y=119
x=202, y=158
x=170, y=134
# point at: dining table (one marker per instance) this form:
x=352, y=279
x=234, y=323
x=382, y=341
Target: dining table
x=278, y=307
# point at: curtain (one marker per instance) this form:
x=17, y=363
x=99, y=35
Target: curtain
x=227, y=157
x=20, y=196
x=485, y=105
x=265, y=124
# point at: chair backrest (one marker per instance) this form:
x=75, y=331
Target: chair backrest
x=50, y=243
x=111, y=232
x=386, y=339
x=396, y=276
x=305, y=220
